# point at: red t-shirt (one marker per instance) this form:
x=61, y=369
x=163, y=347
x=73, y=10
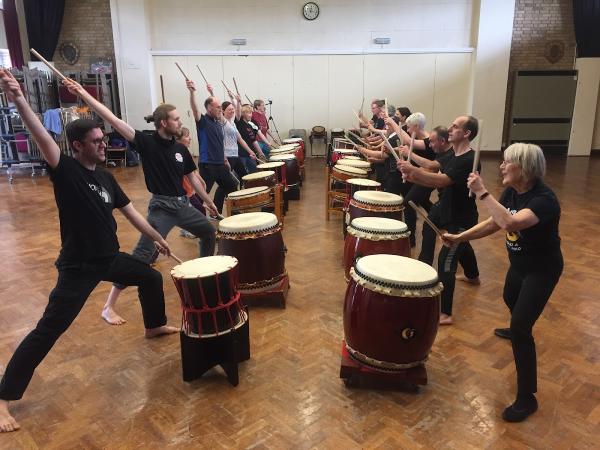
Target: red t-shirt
x=261, y=120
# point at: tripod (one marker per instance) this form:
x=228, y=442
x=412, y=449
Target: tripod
x=272, y=121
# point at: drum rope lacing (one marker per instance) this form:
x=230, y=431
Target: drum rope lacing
x=245, y=235
x=262, y=283
x=395, y=289
x=383, y=366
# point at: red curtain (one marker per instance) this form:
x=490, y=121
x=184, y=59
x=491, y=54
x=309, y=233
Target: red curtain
x=13, y=39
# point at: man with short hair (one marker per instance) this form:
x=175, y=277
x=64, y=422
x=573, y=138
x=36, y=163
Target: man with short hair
x=214, y=166
x=85, y=196
x=457, y=210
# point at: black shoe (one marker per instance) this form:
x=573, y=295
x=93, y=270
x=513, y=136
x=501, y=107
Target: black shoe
x=504, y=333
x=514, y=414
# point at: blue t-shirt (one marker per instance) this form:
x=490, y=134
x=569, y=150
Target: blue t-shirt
x=210, y=136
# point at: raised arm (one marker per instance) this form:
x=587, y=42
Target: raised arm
x=238, y=107
x=193, y=104
x=107, y=115
x=46, y=144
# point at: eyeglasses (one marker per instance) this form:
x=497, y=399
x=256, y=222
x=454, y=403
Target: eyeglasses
x=99, y=141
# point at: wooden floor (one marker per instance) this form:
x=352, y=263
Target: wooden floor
x=108, y=387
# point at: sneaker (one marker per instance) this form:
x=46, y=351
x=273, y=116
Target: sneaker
x=504, y=333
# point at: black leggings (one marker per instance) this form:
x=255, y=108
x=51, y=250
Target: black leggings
x=75, y=284
x=526, y=292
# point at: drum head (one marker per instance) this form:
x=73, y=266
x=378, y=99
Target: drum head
x=270, y=165
x=204, y=267
x=365, y=165
x=379, y=224
x=350, y=170
x=337, y=130
x=363, y=182
x=248, y=192
x=258, y=175
x=292, y=140
x=284, y=157
x=284, y=147
x=352, y=158
x=396, y=271
x=378, y=198
x=248, y=222
x=279, y=151
x=346, y=151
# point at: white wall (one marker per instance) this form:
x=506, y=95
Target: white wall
x=317, y=72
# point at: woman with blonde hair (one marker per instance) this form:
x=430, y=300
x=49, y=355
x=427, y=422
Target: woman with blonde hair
x=529, y=212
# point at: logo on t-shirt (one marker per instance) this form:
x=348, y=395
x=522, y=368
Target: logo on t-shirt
x=178, y=157
x=103, y=193
x=512, y=238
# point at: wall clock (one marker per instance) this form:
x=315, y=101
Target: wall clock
x=310, y=11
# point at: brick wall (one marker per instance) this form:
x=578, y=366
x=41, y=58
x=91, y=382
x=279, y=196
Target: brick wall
x=87, y=24
x=538, y=22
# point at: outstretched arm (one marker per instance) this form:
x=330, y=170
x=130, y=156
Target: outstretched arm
x=193, y=104
x=142, y=225
x=47, y=145
x=107, y=115
x=196, y=182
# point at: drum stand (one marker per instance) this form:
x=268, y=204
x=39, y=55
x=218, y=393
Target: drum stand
x=199, y=355
x=355, y=374
x=277, y=294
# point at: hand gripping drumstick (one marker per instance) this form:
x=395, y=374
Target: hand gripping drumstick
x=158, y=246
x=203, y=77
x=477, y=153
x=423, y=214
x=50, y=66
x=182, y=72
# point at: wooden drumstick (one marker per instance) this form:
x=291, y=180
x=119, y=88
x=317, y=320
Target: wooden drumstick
x=477, y=153
x=50, y=66
x=385, y=113
x=162, y=89
x=227, y=89
x=358, y=138
x=203, y=77
x=182, y=72
x=410, y=149
x=249, y=101
x=158, y=246
x=389, y=146
x=236, y=87
x=362, y=105
x=423, y=214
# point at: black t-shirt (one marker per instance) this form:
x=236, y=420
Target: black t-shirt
x=536, y=242
x=248, y=132
x=378, y=122
x=427, y=153
x=165, y=162
x=85, y=200
x=457, y=207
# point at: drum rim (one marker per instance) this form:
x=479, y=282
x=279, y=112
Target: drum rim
x=212, y=272
x=267, y=166
x=258, y=175
x=255, y=191
x=374, y=201
x=226, y=228
x=359, y=164
x=382, y=366
x=355, y=181
x=282, y=158
x=342, y=168
x=429, y=279
x=356, y=225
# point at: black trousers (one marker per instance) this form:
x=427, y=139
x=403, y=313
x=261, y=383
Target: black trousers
x=526, y=292
x=220, y=174
x=420, y=196
x=394, y=185
x=237, y=165
x=75, y=284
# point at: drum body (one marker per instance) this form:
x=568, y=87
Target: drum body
x=296, y=148
x=374, y=236
x=391, y=312
x=209, y=297
x=278, y=167
x=375, y=204
x=260, y=178
x=250, y=198
x=255, y=240
x=292, y=169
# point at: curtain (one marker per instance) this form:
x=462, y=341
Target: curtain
x=44, y=19
x=586, y=17
x=13, y=40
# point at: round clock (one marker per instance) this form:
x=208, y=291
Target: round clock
x=310, y=11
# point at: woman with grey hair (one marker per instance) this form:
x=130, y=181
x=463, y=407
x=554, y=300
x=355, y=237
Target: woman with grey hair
x=529, y=212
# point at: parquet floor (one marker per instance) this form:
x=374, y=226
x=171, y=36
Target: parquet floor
x=108, y=387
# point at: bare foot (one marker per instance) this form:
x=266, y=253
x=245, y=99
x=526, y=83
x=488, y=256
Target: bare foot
x=159, y=331
x=475, y=281
x=7, y=422
x=111, y=316
x=445, y=319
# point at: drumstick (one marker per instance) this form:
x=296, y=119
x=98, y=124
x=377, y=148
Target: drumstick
x=171, y=254
x=227, y=89
x=200, y=70
x=357, y=116
x=410, y=149
x=236, y=87
x=50, y=66
x=182, y=72
x=389, y=146
x=477, y=154
x=385, y=106
x=162, y=89
x=358, y=138
x=423, y=214
x=249, y=101
x=362, y=105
